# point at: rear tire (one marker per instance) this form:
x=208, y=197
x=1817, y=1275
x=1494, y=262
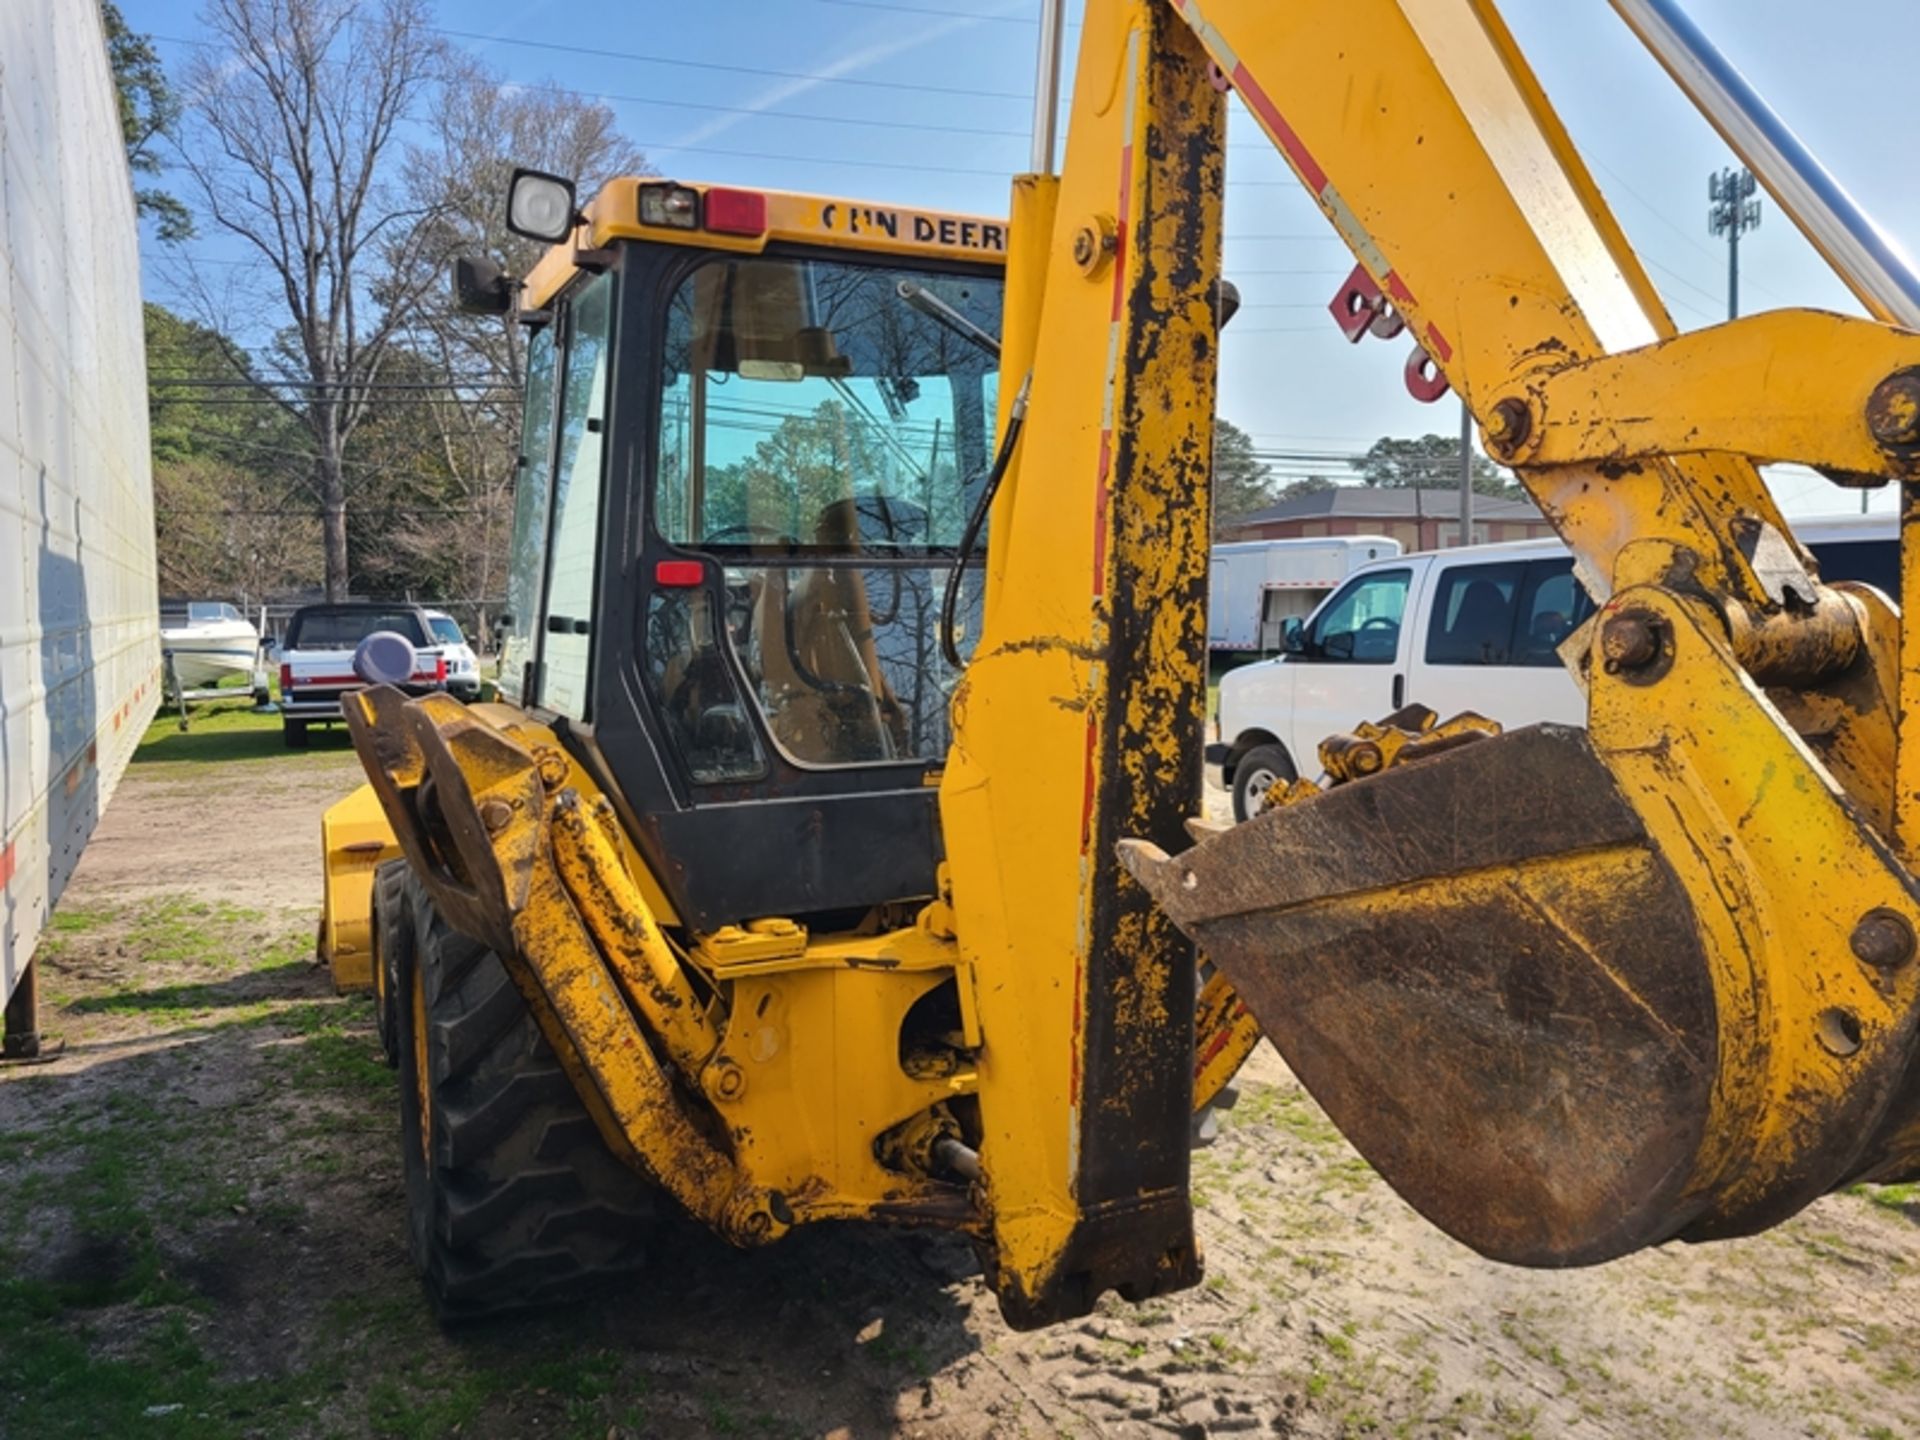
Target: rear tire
x=392, y=952
x=1259, y=769
x=294, y=732
x=513, y=1198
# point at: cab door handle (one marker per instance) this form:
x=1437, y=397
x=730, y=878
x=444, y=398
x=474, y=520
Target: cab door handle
x=1399, y=691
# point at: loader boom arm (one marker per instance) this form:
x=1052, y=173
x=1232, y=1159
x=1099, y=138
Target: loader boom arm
x=1684, y=1006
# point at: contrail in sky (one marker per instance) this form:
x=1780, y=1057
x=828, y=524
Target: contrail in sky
x=848, y=64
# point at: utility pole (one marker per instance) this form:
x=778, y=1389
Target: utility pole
x=1466, y=474
x=1732, y=210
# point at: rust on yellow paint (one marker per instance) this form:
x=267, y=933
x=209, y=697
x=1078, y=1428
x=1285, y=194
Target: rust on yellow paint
x=791, y=1051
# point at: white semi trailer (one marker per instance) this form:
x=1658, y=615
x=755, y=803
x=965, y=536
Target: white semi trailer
x=79, y=612
x=1256, y=586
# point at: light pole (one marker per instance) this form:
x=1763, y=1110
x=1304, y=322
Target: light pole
x=1733, y=209
x=1466, y=474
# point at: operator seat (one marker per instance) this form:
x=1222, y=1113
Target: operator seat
x=828, y=698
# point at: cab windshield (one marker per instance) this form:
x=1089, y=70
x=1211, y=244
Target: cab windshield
x=825, y=430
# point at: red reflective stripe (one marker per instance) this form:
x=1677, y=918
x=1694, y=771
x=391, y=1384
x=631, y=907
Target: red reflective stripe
x=9, y=857
x=1086, y=785
x=1296, y=148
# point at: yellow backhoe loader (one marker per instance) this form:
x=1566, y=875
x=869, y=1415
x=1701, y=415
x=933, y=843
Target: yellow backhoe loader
x=828, y=857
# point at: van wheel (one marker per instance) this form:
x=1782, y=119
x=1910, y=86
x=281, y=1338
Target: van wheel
x=513, y=1198
x=1259, y=770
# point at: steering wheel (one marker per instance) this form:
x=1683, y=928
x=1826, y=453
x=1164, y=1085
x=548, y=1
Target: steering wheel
x=1379, y=622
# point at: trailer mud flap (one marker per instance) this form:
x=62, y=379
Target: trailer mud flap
x=1483, y=969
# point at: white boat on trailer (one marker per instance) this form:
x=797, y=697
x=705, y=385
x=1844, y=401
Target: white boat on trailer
x=205, y=642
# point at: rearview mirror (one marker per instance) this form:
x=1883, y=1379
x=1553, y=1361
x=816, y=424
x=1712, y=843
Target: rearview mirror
x=1293, y=636
x=480, y=286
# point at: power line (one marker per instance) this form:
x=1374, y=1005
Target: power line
x=1329, y=329
x=669, y=148
x=1680, y=279
x=938, y=14
x=675, y=63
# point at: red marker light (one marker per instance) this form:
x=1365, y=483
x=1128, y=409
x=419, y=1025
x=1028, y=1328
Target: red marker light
x=736, y=212
x=286, y=677
x=679, y=574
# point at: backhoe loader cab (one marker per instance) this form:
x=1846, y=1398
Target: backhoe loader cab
x=746, y=462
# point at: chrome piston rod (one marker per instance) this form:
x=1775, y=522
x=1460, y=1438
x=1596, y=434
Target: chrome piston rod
x=1872, y=264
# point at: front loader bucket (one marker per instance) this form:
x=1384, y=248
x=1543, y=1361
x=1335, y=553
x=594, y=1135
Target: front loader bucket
x=1482, y=969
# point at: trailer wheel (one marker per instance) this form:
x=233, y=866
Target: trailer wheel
x=1258, y=771
x=392, y=949
x=513, y=1198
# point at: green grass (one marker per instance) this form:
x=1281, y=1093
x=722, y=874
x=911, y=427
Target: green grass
x=1901, y=1199
x=222, y=733
x=230, y=946
x=116, y=1215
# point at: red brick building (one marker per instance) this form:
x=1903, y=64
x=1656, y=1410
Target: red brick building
x=1418, y=519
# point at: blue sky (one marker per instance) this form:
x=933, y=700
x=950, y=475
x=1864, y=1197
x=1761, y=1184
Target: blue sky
x=922, y=102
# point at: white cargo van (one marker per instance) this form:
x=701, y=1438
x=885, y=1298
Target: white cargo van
x=1465, y=629
x=1256, y=586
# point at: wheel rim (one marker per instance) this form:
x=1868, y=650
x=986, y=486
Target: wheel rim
x=1259, y=782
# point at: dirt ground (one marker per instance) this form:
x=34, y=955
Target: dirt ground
x=201, y=1235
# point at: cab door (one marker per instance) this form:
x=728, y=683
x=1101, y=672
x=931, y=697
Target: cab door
x=1352, y=663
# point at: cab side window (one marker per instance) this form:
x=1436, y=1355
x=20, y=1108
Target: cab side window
x=575, y=528
x=1361, y=624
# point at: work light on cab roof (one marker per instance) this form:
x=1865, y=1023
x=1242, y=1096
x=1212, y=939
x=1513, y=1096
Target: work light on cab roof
x=726, y=212
x=540, y=206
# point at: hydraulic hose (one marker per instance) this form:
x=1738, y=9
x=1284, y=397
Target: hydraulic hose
x=1016, y=419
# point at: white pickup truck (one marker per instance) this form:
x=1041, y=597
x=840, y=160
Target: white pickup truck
x=1468, y=629
x=316, y=659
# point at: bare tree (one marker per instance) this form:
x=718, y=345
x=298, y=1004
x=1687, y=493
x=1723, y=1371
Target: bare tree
x=482, y=128
x=228, y=531
x=294, y=143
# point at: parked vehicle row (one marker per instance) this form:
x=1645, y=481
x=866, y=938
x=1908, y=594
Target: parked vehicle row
x=1467, y=629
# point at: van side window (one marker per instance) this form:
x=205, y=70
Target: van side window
x=1874, y=562
x=1552, y=606
x=1361, y=624
x=1473, y=615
